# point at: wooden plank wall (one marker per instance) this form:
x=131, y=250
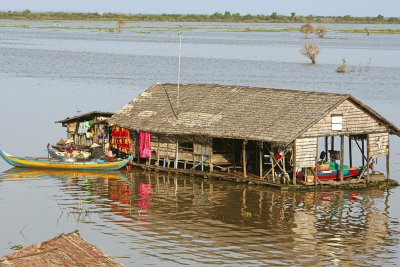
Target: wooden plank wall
x=378, y=144
x=355, y=121
x=306, y=151
x=165, y=146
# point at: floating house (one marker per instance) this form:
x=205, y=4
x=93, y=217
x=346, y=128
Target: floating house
x=88, y=128
x=264, y=135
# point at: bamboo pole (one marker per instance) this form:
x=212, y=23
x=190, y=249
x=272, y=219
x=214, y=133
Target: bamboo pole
x=244, y=158
x=341, y=156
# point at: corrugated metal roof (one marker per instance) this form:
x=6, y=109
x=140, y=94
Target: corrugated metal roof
x=86, y=116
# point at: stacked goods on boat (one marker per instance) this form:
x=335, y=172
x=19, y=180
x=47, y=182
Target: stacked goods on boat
x=329, y=171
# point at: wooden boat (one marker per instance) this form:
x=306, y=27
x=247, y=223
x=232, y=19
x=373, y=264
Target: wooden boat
x=54, y=153
x=48, y=163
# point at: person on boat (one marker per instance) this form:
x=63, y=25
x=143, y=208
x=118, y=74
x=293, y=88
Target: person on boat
x=69, y=147
x=97, y=152
x=109, y=152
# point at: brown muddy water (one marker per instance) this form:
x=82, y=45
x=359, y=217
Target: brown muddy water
x=149, y=219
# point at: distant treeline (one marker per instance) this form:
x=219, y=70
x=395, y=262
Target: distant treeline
x=216, y=17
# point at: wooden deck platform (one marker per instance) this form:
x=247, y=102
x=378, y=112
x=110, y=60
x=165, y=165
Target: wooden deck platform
x=353, y=183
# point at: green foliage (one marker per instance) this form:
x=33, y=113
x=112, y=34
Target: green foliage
x=17, y=247
x=247, y=214
x=227, y=17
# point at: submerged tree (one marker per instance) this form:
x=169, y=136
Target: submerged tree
x=120, y=24
x=311, y=51
x=306, y=29
x=342, y=68
x=320, y=31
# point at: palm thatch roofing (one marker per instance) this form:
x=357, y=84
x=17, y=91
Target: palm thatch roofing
x=86, y=116
x=241, y=112
x=63, y=250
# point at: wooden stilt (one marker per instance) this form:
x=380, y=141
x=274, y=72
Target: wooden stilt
x=368, y=159
x=272, y=165
x=388, y=162
x=260, y=155
x=244, y=158
x=168, y=156
x=350, y=153
x=176, y=155
x=158, y=154
x=363, y=152
x=316, y=165
x=341, y=156
x=326, y=148
x=294, y=162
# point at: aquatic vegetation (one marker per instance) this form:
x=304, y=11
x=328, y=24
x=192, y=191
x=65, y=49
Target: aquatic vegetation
x=16, y=247
x=342, y=68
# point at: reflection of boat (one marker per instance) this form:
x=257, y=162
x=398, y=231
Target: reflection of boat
x=45, y=163
x=37, y=173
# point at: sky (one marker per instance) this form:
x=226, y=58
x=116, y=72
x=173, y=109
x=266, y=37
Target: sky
x=356, y=8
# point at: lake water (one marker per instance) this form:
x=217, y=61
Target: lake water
x=47, y=74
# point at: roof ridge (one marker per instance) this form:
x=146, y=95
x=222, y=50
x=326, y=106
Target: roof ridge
x=250, y=87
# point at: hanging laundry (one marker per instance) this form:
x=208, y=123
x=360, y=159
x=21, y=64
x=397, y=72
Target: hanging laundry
x=144, y=144
x=120, y=139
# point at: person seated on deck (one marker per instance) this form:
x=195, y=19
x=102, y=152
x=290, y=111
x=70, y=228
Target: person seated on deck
x=69, y=147
x=97, y=152
x=109, y=152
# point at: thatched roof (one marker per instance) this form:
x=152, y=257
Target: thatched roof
x=64, y=250
x=273, y=115
x=86, y=116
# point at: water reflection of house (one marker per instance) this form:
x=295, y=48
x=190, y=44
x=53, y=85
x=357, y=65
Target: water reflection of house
x=88, y=128
x=257, y=134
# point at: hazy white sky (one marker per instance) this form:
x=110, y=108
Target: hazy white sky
x=387, y=8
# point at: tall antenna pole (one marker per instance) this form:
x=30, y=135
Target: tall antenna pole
x=179, y=72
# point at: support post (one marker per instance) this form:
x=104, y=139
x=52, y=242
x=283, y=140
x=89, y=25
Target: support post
x=244, y=158
x=158, y=153
x=260, y=154
x=332, y=143
x=316, y=166
x=294, y=162
x=368, y=159
x=388, y=161
x=350, y=153
x=363, y=152
x=176, y=155
x=341, y=156
x=326, y=148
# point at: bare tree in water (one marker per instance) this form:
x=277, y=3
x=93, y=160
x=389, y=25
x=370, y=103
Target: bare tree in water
x=311, y=51
x=120, y=24
x=306, y=29
x=320, y=31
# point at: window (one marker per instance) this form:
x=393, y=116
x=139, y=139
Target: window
x=337, y=122
x=186, y=146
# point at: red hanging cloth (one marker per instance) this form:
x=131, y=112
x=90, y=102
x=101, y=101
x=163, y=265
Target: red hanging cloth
x=144, y=144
